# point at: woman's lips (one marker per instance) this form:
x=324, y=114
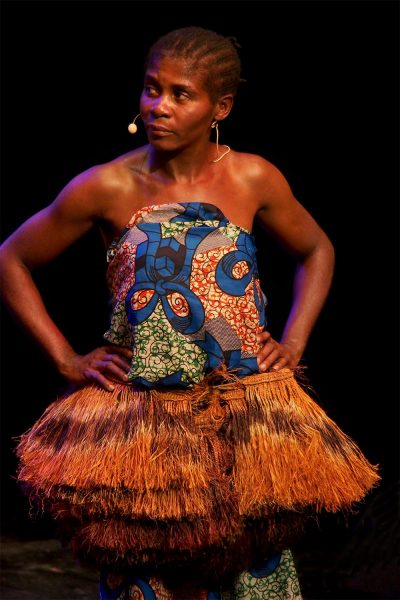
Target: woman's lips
x=159, y=130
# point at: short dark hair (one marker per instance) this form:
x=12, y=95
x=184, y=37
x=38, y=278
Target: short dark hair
x=212, y=54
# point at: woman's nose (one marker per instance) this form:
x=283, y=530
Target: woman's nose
x=161, y=106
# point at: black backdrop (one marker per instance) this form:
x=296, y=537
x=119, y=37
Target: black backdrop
x=320, y=102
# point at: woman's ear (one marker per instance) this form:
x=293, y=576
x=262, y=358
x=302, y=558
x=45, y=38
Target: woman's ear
x=223, y=107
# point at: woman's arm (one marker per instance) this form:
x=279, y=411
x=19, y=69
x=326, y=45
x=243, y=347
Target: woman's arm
x=35, y=243
x=289, y=223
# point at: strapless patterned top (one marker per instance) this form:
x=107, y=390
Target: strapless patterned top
x=185, y=294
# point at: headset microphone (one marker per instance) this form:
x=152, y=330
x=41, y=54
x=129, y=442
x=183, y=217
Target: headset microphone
x=132, y=127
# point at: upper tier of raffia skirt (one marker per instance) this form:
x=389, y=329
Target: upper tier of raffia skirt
x=152, y=477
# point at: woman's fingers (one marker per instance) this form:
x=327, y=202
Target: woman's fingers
x=272, y=354
x=107, y=363
x=101, y=365
x=114, y=365
x=96, y=376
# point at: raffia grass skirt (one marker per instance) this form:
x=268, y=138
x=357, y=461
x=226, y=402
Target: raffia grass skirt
x=221, y=473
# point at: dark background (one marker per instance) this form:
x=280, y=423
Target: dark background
x=321, y=103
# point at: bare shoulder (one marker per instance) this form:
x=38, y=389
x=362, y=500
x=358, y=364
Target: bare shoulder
x=278, y=211
x=261, y=177
x=99, y=196
x=94, y=189
x=263, y=183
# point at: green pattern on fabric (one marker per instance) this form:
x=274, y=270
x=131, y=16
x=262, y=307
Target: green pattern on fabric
x=173, y=229
x=282, y=584
x=120, y=332
x=160, y=351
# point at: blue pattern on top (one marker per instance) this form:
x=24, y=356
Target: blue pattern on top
x=179, y=250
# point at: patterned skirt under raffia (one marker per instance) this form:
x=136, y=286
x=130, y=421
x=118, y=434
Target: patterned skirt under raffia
x=195, y=483
x=274, y=579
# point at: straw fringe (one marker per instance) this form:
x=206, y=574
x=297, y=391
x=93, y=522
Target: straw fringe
x=297, y=455
x=145, y=474
x=107, y=451
x=190, y=554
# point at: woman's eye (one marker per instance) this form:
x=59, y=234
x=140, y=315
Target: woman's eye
x=181, y=95
x=150, y=90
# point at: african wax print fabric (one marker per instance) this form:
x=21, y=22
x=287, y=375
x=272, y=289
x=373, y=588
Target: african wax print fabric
x=186, y=294
x=274, y=579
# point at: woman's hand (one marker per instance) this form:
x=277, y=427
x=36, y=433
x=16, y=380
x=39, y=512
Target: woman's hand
x=101, y=366
x=274, y=355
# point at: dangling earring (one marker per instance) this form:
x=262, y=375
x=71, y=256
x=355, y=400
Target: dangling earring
x=132, y=127
x=214, y=125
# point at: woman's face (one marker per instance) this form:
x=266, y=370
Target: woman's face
x=176, y=109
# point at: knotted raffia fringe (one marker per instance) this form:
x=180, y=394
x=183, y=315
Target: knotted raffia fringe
x=204, y=461
x=297, y=455
x=196, y=546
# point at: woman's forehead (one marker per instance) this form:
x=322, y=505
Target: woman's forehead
x=175, y=68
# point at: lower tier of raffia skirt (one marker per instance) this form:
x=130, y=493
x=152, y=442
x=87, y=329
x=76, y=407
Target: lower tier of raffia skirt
x=162, y=477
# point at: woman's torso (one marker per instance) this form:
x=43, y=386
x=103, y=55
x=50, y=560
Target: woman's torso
x=186, y=295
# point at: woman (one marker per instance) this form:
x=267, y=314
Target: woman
x=187, y=454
